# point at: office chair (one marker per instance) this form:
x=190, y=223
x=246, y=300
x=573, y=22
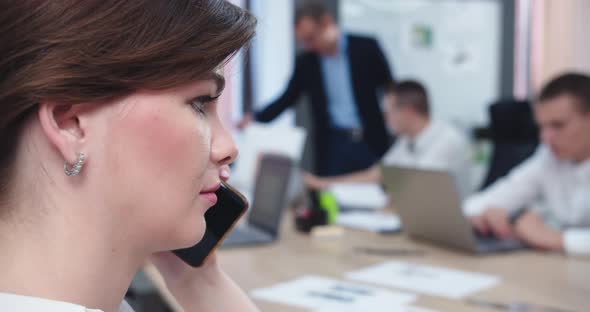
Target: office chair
x=514, y=135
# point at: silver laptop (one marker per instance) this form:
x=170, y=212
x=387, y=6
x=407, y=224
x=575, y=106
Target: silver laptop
x=268, y=203
x=429, y=206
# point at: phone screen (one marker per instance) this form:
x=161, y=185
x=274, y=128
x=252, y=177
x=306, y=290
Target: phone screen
x=220, y=219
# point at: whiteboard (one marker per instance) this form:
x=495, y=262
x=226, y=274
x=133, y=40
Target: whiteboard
x=452, y=46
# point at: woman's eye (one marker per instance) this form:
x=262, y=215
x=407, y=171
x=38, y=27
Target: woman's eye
x=199, y=104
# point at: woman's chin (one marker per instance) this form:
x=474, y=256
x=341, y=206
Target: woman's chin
x=191, y=234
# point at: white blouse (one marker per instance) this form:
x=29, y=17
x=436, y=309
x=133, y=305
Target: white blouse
x=11, y=302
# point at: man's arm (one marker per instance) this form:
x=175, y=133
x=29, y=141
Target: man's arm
x=531, y=229
x=289, y=97
x=520, y=188
x=489, y=210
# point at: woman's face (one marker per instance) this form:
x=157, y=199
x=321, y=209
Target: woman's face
x=159, y=164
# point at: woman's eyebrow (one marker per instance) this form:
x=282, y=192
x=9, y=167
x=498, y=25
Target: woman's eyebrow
x=219, y=81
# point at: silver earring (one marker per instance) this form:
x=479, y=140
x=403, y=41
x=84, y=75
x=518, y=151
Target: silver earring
x=76, y=167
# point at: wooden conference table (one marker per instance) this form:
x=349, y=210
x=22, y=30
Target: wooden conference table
x=527, y=276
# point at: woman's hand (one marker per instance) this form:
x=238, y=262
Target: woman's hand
x=206, y=288
x=178, y=275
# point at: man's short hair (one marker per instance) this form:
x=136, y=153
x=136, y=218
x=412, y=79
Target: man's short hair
x=573, y=84
x=410, y=93
x=313, y=9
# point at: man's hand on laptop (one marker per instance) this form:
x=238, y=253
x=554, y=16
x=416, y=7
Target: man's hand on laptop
x=493, y=221
x=531, y=229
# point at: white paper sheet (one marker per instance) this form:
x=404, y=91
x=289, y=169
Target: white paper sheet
x=316, y=292
x=430, y=280
x=369, y=221
x=261, y=138
x=359, y=195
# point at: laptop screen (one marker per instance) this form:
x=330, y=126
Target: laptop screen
x=270, y=192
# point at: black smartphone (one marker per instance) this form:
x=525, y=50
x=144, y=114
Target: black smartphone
x=220, y=219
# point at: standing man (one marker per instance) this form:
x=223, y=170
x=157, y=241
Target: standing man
x=342, y=74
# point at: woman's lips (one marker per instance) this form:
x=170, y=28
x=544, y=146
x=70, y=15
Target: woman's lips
x=209, y=194
x=209, y=197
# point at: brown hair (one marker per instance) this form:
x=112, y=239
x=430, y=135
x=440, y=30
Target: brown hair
x=410, y=93
x=80, y=51
x=574, y=84
x=311, y=8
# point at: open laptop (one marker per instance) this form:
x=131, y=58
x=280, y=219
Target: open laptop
x=268, y=203
x=429, y=206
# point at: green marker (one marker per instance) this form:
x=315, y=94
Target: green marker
x=330, y=206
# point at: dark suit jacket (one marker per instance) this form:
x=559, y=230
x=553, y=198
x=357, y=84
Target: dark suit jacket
x=369, y=71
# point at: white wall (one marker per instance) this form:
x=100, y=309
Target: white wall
x=459, y=92
x=231, y=101
x=272, y=52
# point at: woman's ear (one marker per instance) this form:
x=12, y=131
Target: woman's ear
x=63, y=129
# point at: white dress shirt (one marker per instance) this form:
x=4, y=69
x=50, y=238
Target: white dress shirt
x=439, y=147
x=18, y=303
x=558, y=190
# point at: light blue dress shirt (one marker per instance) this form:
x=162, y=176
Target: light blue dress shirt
x=338, y=86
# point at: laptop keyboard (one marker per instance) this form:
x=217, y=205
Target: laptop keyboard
x=491, y=243
x=484, y=238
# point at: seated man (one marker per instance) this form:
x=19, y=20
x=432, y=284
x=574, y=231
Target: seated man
x=545, y=201
x=422, y=142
